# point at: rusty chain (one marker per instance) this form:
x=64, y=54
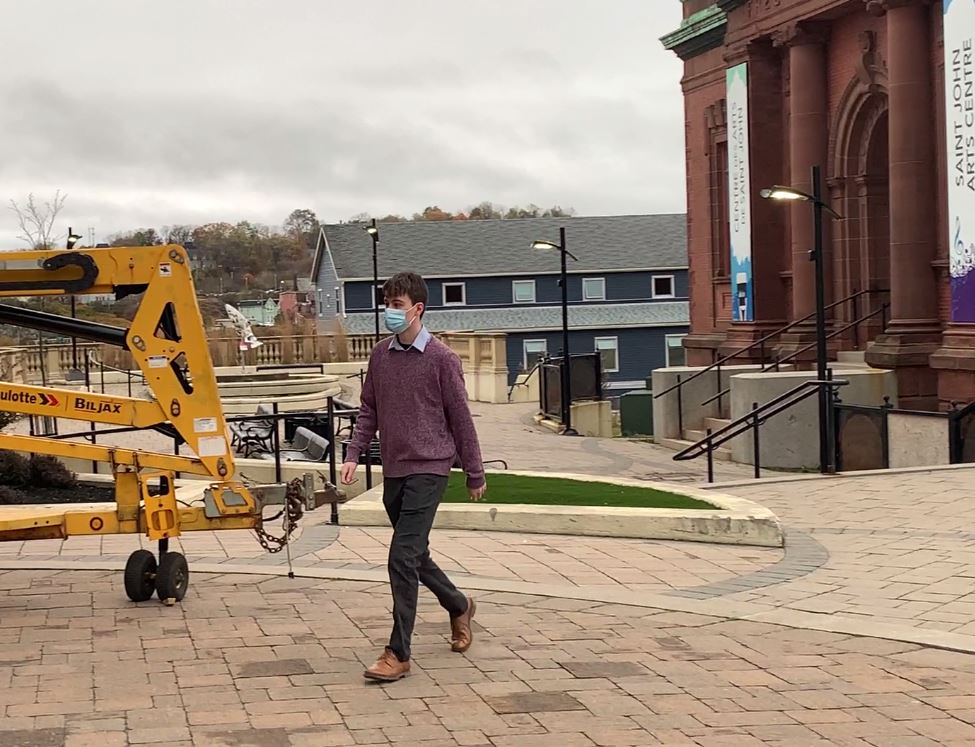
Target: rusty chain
x=294, y=509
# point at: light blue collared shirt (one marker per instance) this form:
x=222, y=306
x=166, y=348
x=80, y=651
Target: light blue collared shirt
x=420, y=343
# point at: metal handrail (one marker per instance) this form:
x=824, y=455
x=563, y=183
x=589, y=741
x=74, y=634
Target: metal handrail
x=733, y=429
x=758, y=415
x=855, y=323
x=528, y=376
x=775, y=365
x=955, y=437
x=762, y=340
x=91, y=352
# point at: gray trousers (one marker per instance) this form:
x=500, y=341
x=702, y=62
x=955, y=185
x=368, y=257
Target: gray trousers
x=411, y=503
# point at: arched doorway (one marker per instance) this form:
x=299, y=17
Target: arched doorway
x=860, y=189
x=872, y=252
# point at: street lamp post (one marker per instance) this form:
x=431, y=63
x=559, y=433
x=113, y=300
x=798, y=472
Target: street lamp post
x=373, y=231
x=819, y=260
x=566, y=398
x=73, y=239
x=825, y=393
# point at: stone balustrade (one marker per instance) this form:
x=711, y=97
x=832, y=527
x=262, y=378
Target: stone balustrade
x=13, y=365
x=484, y=357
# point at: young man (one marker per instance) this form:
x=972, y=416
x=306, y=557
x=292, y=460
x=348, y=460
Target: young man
x=414, y=394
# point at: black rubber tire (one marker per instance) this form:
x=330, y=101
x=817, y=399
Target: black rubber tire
x=173, y=577
x=140, y=576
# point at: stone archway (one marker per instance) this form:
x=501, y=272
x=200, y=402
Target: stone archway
x=860, y=191
x=874, y=200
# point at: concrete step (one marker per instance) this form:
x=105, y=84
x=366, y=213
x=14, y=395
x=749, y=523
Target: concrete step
x=851, y=356
x=716, y=423
x=679, y=444
x=850, y=359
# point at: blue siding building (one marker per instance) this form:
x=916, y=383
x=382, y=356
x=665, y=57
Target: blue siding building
x=628, y=289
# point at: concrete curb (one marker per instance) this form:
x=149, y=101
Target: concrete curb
x=736, y=521
x=806, y=477
x=863, y=627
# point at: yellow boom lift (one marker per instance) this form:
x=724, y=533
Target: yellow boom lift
x=167, y=342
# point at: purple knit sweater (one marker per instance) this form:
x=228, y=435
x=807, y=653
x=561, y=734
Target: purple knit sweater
x=418, y=402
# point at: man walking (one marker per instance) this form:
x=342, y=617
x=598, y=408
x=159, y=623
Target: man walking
x=414, y=394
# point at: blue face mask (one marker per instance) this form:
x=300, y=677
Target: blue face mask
x=396, y=321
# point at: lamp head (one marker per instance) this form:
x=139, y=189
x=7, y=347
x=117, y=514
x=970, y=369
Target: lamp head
x=372, y=230
x=73, y=239
x=545, y=245
x=783, y=193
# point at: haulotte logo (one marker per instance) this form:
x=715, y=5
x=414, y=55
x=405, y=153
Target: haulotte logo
x=17, y=397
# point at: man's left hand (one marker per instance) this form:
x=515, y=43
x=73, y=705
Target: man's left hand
x=477, y=493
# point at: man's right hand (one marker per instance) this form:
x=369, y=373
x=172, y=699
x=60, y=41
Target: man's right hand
x=348, y=472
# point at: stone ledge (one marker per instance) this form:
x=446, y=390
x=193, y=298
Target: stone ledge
x=735, y=521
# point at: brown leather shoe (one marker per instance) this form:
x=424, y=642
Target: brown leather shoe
x=388, y=668
x=461, y=635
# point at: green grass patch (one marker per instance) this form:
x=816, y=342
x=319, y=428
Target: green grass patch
x=555, y=491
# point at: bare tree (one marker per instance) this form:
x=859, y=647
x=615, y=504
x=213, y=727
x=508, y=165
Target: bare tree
x=37, y=220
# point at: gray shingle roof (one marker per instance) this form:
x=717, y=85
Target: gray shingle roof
x=445, y=248
x=511, y=319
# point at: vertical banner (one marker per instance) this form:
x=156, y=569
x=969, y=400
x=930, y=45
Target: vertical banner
x=739, y=195
x=959, y=30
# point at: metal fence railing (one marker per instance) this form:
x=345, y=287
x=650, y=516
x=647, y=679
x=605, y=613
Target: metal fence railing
x=863, y=434
x=329, y=423
x=586, y=381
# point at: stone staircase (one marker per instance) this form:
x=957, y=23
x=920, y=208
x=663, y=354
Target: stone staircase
x=853, y=360
x=847, y=359
x=693, y=435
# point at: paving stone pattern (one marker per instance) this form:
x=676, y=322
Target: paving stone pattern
x=901, y=547
x=894, y=549
x=250, y=662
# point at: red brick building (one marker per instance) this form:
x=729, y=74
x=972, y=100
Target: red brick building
x=857, y=88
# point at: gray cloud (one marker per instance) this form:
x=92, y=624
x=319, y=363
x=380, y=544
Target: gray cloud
x=207, y=110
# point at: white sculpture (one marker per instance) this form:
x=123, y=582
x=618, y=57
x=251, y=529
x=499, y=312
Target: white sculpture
x=248, y=340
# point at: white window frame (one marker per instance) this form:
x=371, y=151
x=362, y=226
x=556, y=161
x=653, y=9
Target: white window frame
x=524, y=350
x=616, y=347
x=667, y=346
x=377, y=290
x=463, y=294
x=514, y=294
x=653, y=286
x=601, y=296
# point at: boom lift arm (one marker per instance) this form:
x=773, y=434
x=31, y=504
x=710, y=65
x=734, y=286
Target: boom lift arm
x=167, y=342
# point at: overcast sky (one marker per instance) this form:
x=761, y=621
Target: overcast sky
x=186, y=111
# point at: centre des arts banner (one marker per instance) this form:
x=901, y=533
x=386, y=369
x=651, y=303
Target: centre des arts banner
x=739, y=194
x=959, y=30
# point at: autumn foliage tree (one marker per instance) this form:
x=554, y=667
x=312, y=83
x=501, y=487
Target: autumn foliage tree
x=237, y=256
x=138, y=237
x=481, y=211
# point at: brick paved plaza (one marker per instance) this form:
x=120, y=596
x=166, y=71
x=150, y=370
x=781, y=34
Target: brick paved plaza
x=267, y=661
x=859, y=632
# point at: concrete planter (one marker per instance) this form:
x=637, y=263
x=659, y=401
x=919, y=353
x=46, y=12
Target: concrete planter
x=734, y=521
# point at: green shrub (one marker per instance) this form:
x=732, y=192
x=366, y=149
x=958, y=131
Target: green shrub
x=14, y=469
x=8, y=418
x=48, y=472
x=11, y=496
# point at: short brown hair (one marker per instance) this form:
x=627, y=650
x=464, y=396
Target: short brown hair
x=407, y=284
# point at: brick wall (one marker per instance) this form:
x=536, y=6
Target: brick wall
x=703, y=86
